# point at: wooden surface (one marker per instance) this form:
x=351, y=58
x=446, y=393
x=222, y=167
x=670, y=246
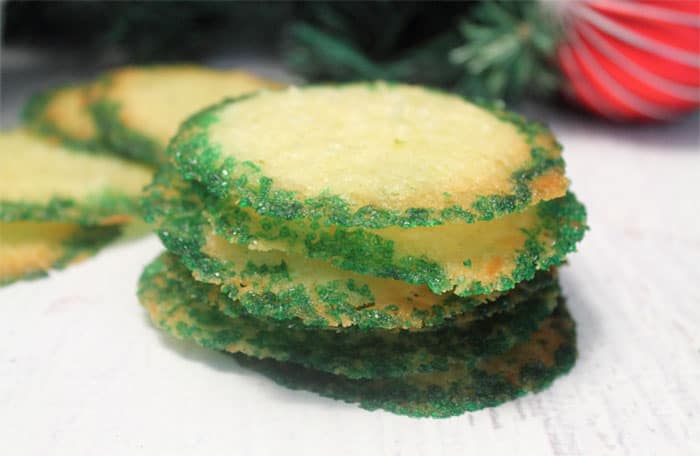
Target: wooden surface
x=83, y=372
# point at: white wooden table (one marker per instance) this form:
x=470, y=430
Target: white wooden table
x=82, y=371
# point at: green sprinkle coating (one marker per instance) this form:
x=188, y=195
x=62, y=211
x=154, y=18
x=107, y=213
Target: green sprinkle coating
x=122, y=139
x=41, y=181
x=189, y=309
x=243, y=181
x=560, y=224
x=139, y=108
x=283, y=286
x=554, y=228
x=105, y=208
x=70, y=123
x=28, y=250
x=528, y=367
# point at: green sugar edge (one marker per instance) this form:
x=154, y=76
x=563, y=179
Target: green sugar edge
x=125, y=140
x=88, y=240
x=91, y=211
x=180, y=223
x=351, y=352
x=34, y=120
x=364, y=252
x=361, y=251
x=475, y=390
x=198, y=158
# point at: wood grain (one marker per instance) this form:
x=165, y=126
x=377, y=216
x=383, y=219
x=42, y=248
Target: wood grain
x=82, y=371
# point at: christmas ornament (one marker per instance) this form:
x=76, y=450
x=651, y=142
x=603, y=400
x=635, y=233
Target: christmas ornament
x=629, y=60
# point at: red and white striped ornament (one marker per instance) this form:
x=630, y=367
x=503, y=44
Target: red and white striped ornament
x=632, y=60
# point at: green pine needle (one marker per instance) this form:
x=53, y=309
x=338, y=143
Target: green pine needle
x=508, y=51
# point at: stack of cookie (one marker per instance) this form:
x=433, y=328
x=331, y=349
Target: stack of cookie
x=71, y=178
x=382, y=244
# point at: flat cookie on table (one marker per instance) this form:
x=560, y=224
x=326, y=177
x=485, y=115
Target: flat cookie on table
x=62, y=114
x=59, y=205
x=190, y=309
x=385, y=179
x=41, y=181
x=138, y=109
x=30, y=249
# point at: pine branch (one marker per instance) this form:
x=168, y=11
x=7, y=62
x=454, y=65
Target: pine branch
x=508, y=51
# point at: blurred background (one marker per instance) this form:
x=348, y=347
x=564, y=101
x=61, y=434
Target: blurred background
x=617, y=62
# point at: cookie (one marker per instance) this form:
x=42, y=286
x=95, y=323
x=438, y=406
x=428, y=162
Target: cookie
x=190, y=309
x=459, y=258
x=528, y=367
x=30, y=249
x=283, y=286
x=138, y=109
x=466, y=259
x=62, y=114
x=370, y=155
x=41, y=181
